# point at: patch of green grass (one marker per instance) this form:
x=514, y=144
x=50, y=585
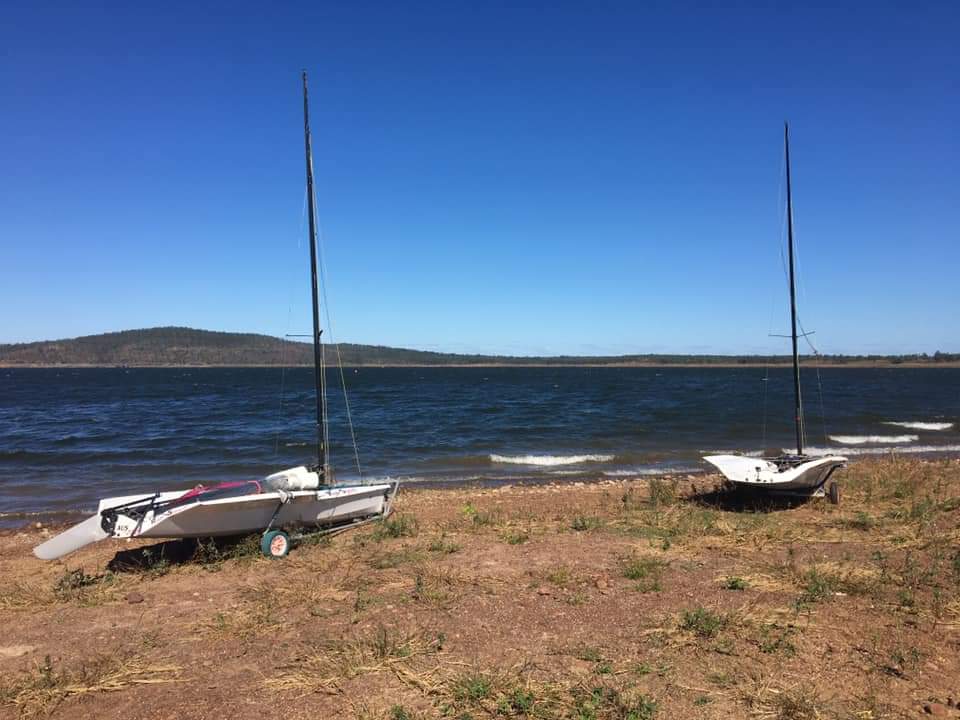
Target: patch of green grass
x=480, y=518
x=861, y=521
x=607, y=702
x=559, y=576
x=702, y=622
x=443, y=546
x=517, y=701
x=583, y=523
x=393, y=559
x=774, y=639
x=397, y=526
x=646, y=571
x=735, y=583
x=473, y=688
x=71, y=585
x=398, y=712
x=588, y=653
x=816, y=586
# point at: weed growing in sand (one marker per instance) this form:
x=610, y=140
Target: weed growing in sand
x=398, y=712
x=480, y=518
x=735, y=583
x=71, y=584
x=77, y=586
x=583, y=523
x=397, y=526
x=702, y=622
x=816, y=586
x=862, y=521
x=515, y=536
x=472, y=688
x=774, y=639
x=663, y=493
x=602, y=702
x=588, y=653
x=646, y=571
x=443, y=546
x=516, y=702
x=559, y=576
x=393, y=559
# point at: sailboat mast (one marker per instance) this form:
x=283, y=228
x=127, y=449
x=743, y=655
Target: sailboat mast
x=314, y=286
x=798, y=403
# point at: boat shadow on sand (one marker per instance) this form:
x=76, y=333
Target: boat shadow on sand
x=162, y=556
x=746, y=500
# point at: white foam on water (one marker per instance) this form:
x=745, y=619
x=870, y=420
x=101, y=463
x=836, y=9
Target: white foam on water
x=873, y=439
x=652, y=471
x=922, y=425
x=549, y=460
x=895, y=449
x=750, y=453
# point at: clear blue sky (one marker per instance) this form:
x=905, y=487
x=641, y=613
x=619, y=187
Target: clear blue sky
x=554, y=177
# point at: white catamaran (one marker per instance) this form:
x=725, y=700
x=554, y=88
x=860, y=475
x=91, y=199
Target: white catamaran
x=788, y=473
x=297, y=498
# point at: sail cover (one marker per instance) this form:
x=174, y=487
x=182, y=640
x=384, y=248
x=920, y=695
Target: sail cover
x=298, y=478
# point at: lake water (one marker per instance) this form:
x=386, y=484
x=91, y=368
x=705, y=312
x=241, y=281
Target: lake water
x=71, y=436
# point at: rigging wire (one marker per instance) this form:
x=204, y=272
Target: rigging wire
x=783, y=222
x=283, y=351
x=343, y=379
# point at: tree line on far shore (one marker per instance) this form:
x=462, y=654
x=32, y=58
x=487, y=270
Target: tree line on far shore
x=187, y=346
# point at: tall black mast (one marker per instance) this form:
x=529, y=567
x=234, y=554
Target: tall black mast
x=317, y=363
x=798, y=404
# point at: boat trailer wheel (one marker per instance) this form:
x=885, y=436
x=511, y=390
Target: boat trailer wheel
x=833, y=492
x=275, y=544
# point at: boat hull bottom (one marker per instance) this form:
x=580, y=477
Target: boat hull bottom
x=785, y=477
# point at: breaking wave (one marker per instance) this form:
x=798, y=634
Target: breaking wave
x=922, y=425
x=549, y=460
x=899, y=450
x=873, y=439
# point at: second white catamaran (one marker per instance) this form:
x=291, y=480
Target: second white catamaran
x=298, y=498
x=788, y=473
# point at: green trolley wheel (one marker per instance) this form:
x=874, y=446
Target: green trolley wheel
x=275, y=544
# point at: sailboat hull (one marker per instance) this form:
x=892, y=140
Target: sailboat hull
x=801, y=476
x=237, y=515
x=253, y=513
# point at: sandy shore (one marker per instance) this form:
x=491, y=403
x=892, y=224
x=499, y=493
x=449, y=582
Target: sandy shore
x=630, y=600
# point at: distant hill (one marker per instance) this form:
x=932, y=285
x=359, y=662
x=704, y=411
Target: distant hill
x=180, y=346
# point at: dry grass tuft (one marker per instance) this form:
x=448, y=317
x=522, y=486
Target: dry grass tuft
x=772, y=703
x=385, y=650
x=40, y=691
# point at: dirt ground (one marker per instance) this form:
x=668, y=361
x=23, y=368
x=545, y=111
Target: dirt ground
x=632, y=600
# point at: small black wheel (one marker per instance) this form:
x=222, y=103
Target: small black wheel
x=833, y=492
x=275, y=544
